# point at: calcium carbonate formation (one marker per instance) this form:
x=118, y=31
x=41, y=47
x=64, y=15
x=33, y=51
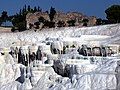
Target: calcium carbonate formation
x=61, y=59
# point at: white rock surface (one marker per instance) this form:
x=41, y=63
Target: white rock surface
x=103, y=74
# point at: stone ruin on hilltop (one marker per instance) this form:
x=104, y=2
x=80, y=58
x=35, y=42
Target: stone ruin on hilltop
x=32, y=18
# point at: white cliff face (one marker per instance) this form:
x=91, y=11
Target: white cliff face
x=9, y=73
x=102, y=74
x=105, y=75
x=11, y=86
x=92, y=80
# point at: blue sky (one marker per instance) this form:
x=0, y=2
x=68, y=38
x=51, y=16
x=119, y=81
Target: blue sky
x=87, y=7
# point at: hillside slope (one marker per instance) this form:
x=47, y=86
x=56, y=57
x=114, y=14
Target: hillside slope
x=113, y=30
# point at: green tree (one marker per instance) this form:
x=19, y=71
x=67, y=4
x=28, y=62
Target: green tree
x=52, y=13
x=51, y=24
x=20, y=12
x=39, y=9
x=25, y=7
x=71, y=22
x=4, y=17
x=61, y=23
x=35, y=9
x=46, y=24
x=41, y=19
x=113, y=13
x=28, y=9
x=85, y=21
x=19, y=22
x=13, y=29
x=36, y=25
x=104, y=21
x=99, y=21
x=1, y=21
x=23, y=11
x=31, y=26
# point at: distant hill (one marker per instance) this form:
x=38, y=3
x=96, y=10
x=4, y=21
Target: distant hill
x=60, y=18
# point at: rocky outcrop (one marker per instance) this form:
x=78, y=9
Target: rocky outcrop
x=60, y=16
x=92, y=21
x=31, y=18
